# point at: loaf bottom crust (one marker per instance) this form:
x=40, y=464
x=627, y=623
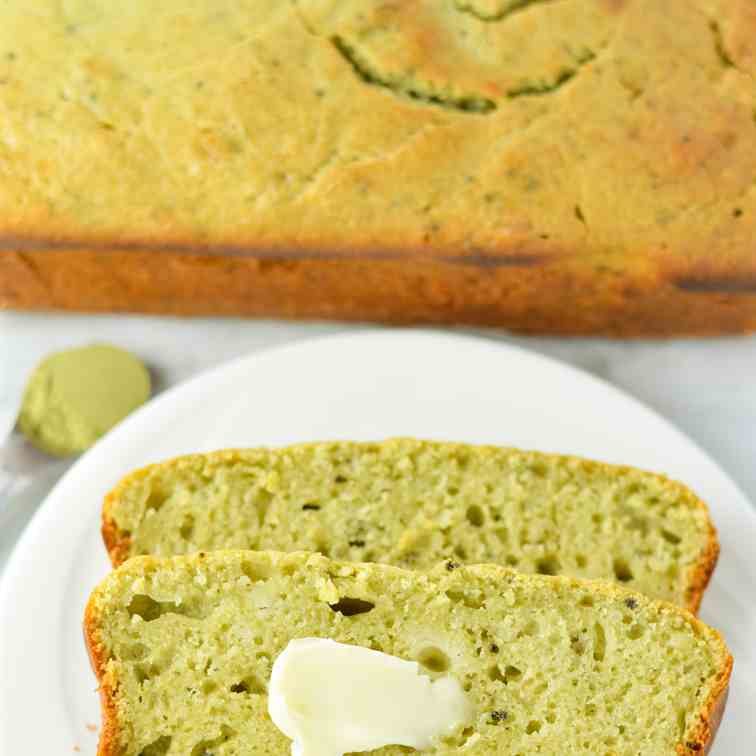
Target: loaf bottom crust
x=526, y=296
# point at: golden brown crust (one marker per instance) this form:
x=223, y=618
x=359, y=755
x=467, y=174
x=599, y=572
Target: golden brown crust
x=700, y=573
x=118, y=542
x=526, y=294
x=701, y=738
x=717, y=710
x=109, y=731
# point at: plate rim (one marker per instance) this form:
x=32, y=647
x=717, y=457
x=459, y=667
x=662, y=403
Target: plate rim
x=43, y=518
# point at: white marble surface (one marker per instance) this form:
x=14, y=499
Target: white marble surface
x=708, y=388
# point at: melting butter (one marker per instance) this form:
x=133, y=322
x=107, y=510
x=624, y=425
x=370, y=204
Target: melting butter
x=331, y=698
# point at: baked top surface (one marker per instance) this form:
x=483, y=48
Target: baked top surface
x=520, y=130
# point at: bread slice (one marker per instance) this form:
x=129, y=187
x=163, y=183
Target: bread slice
x=414, y=503
x=183, y=650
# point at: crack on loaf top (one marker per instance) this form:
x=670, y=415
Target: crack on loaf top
x=725, y=57
x=408, y=87
x=719, y=46
x=302, y=17
x=410, y=81
x=544, y=87
x=500, y=10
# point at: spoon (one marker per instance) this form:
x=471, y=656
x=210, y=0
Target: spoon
x=21, y=465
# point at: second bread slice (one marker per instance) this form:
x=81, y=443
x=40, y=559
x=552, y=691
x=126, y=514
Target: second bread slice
x=414, y=503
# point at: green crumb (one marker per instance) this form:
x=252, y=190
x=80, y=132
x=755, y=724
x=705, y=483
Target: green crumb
x=76, y=396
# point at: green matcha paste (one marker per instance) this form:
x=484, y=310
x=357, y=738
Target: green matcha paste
x=76, y=396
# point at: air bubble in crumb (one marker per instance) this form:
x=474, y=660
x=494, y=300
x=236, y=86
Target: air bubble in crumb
x=434, y=659
x=622, y=570
x=475, y=516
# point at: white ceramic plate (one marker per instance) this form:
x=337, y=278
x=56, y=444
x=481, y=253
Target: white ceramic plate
x=361, y=386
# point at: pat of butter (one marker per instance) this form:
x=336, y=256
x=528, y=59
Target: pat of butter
x=331, y=698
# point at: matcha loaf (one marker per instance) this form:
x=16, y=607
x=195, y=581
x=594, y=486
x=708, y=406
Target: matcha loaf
x=183, y=650
x=562, y=167
x=414, y=503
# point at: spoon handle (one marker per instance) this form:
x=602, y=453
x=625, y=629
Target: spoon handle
x=21, y=465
